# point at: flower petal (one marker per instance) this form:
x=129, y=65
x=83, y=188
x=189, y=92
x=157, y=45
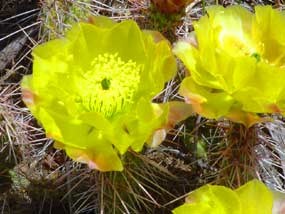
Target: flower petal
x=255, y=198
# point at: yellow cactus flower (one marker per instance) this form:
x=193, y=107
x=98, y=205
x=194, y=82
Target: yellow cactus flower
x=92, y=91
x=236, y=63
x=251, y=198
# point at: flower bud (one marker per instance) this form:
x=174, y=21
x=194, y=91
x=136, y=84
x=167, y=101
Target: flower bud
x=170, y=6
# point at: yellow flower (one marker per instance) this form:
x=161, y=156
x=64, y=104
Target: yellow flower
x=251, y=198
x=237, y=63
x=92, y=91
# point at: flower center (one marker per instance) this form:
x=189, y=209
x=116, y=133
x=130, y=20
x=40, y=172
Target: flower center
x=237, y=45
x=236, y=41
x=256, y=56
x=105, y=83
x=109, y=86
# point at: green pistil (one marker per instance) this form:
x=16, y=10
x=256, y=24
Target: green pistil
x=105, y=83
x=109, y=86
x=256, y=56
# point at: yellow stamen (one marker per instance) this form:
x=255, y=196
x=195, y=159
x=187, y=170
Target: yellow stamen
x=109, y=85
